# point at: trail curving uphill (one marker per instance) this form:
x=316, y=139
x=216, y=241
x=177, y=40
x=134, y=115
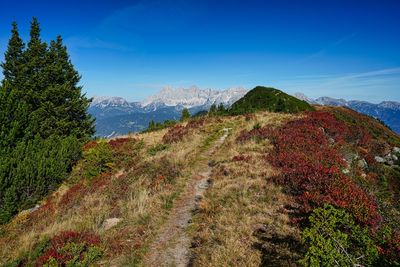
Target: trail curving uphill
x=172, y=246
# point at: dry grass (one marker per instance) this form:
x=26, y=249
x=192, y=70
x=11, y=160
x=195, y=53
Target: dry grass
x=242, y=207
x=132, y=194
x=240, y=202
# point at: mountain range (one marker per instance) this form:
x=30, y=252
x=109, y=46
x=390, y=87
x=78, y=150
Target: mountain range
x=386, y=111
x=117, y=116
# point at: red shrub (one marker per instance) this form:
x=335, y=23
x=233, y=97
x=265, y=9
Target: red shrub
x=58, y=242
x=258, y=133
x=74, y=194
x=42, y=212
x=311, y=166
x=249, y=116
x=119, y=142
x=391, y=247
x=89, y=145
x=100, y=182
x=175, y=134
x=195, y=123
x=365, y=138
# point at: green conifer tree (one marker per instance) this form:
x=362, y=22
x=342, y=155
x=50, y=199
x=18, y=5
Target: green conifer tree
x=35, y=79
x=43, y=120
x=221, y=109
x=213, y=110
x=13, y=116
x=185, y=114
x=64, y=108
x=13, y=58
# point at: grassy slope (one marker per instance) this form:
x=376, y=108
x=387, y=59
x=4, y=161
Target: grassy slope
x=268, y=99
x=141, y=190
x=229, y=229
x=131, y=192
x=242, y=220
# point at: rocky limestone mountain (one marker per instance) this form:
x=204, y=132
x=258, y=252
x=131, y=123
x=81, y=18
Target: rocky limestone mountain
x=194, y=96
x=116, y=115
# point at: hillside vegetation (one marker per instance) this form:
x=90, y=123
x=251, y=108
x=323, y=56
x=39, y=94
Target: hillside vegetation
x=315, y=188
x=268, y=99
x=43, y=120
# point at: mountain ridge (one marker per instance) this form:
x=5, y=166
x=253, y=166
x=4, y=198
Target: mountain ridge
x=194, y=96
x=386, y=111
x=119, y=116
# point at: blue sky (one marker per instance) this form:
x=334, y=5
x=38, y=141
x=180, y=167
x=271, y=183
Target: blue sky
x=341, y=48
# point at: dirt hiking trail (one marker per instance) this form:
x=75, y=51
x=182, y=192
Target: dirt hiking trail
x=172, y=245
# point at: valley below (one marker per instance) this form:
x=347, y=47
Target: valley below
x=117, y=116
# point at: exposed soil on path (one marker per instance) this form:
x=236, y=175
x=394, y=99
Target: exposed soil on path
x=172, y=246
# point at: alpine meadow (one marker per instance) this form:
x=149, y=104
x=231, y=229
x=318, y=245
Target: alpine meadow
x=200, y=133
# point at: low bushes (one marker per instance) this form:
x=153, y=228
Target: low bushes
x=306, y=152
x=98, y=159
x=119, y=142
x=255, y=134
x=175, y=134
x=68, y=248
x=196, y=123
x=155, y=126
x=71, y=249
x=309, y=155
x=335, y=240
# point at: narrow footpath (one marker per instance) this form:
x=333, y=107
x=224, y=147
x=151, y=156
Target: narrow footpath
x=172, y=246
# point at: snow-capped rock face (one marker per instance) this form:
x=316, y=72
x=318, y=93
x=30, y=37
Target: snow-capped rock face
x=194, y=96
x=329, y=101
x=110, y=101
x=303, y=97
x=116, y=115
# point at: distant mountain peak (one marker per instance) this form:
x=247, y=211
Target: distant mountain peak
x=303, y=97
x=109, y=101
x=386, y=111
x=194, y=96
x=390, y=105
x=325, y=100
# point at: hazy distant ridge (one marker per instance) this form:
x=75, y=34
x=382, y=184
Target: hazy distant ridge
x=386, y=111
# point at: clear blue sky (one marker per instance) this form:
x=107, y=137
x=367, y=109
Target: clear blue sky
x=341, y=48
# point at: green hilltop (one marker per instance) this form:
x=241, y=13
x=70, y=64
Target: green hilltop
x=268, y=99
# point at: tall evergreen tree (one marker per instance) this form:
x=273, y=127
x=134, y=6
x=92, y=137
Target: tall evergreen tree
x=35, y=62
x=13, y=110
x=63, y=110
x=185, y=114
x=213, y=109
x=14, y=58
x=60, y=69
x=43, y=120
x=221, y=109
